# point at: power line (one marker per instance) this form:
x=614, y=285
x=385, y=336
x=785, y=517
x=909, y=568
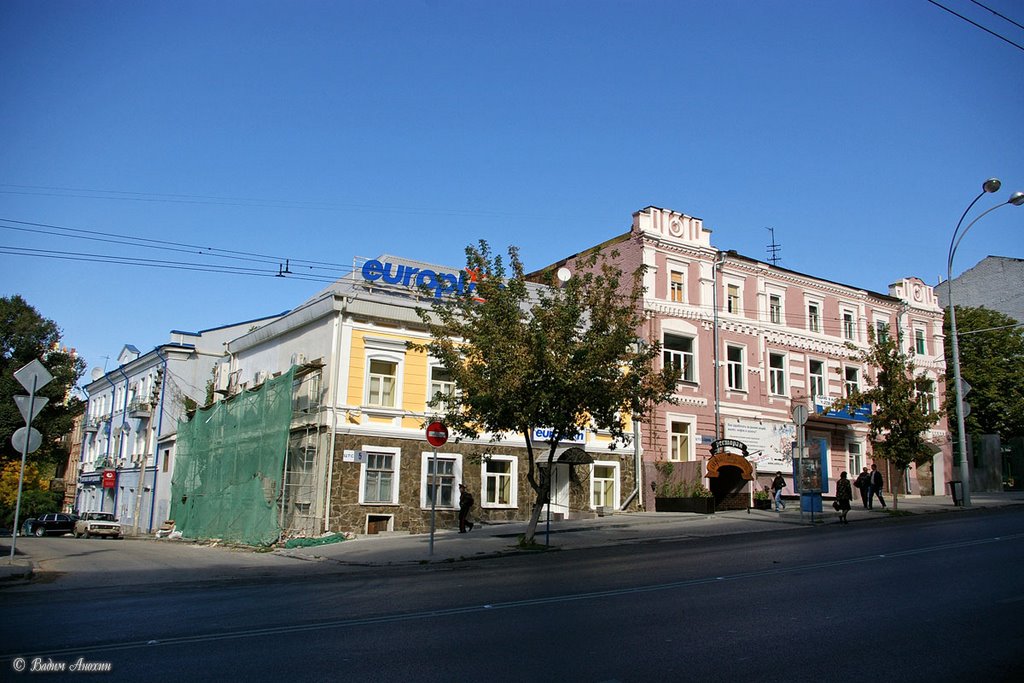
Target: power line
x=974, y=23
x=1001, y=16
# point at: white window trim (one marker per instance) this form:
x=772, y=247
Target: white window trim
x=823, y=376
x=693, y=355
x=676, y=267
x=513, y=473
x=399, y=361
x=397, y=453
x=784, y=370
x=691, y=420
x=852, y=312
x=782, y=307
x=821, y=315
x=425, y=459
x=738, y=284
x=434, y=364
x=616, y=484
x=743, y=367
x=860, y=378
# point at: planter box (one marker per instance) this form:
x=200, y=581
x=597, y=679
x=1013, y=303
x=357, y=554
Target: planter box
x=704, y=506
x=762, y=504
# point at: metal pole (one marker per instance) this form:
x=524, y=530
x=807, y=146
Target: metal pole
x=433, y=499
x=961, y=437
x=719, y=259
x=24, y=455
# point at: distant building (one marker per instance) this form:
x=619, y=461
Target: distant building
x=784, y=339
x=131, y=419
x=996, y=282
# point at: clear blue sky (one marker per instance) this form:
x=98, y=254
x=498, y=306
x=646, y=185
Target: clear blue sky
x=858, y=129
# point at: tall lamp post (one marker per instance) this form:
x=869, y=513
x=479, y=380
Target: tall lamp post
x=1016, y=199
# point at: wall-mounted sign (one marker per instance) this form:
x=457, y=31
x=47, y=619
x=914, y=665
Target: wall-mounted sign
x=545, y=434
x=109, y=479
x=353, y=456
x=403, y=275
x=728, y=445
x=770, y=444
x=823, y=407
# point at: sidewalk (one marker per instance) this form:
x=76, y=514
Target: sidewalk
x=493, y=540
x=490, y=540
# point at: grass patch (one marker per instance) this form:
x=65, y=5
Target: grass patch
x=521, y=544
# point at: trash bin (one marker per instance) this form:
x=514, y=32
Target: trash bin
x=956, y=489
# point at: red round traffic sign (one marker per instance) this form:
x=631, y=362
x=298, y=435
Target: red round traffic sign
x=437, y=434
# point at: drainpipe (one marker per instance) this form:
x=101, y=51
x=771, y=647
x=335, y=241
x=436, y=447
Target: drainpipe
x=719, y=260
x=156, y=450
x=333, y=370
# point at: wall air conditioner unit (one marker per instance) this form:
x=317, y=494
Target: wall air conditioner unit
x=298, y=359
x=233, y=383
x=259, y=378
x=223, y=380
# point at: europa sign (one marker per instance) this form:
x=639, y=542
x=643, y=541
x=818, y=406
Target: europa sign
x=413, y=277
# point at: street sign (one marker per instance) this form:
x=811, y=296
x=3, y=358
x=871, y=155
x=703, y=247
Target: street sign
x=21, y=434
x=33, y=371
x=965, y=389
x=37, y=406
x=437, y=434
x=800, y=415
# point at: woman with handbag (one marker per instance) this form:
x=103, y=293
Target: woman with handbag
x=844, y=494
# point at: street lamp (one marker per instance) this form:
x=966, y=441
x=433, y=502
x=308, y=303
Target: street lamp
x=1016, y=199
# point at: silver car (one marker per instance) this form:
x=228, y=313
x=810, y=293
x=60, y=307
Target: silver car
x=97, y=524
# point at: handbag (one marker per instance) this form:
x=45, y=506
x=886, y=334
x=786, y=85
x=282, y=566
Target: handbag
x=835, y=504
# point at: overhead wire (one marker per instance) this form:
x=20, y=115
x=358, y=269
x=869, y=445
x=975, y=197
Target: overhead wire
x=976, y=24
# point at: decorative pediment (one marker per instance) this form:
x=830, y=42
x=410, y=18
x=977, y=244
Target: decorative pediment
x=671, y=226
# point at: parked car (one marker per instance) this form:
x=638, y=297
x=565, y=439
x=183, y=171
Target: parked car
x=97, y=524
x=51, y=523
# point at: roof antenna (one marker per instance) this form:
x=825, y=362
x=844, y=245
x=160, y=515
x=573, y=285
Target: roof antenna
x=774, y=249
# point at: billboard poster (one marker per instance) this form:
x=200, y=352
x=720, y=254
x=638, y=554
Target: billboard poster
x=769, y=444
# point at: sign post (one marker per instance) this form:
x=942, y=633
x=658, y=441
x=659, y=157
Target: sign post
x=437, y=436
x=800, y=419
x=33, y=377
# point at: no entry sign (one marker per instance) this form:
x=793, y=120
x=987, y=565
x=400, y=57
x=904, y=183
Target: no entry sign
x=437, y=434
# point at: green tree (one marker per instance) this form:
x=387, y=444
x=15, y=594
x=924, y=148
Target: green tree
x=992, y=362
x=25, y=336
x=523, y=355
x=901, y=413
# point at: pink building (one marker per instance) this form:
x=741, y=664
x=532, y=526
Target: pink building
x=783, y=340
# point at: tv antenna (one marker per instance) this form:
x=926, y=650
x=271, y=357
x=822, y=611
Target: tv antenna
x=774, y=249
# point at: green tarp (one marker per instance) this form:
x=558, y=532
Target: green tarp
x=229, y=466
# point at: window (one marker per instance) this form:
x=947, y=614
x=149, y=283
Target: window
x=734, y=367
x=856, y=457
x=849, y=326
x=679, y=437
x=381, y=384
x=881, y=331
x=732, y=299
x=816, y=373
x=500, y=482
x=919, y=341
x=441, y=383
x=677, y=352
x=380, y=477
x=926, y=395
x=852, y=380
x=814, y=317
x=448, y=473
x=775, y=309
x=604, y=478
x=777, y=374
x=677, y=287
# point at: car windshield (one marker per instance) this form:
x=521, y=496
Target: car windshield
x=101, y=516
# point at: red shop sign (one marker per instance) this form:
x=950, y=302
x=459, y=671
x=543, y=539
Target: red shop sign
x=109, y=479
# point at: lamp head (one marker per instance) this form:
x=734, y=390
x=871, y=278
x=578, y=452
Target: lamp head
x=1017, y=198
x=991, y=185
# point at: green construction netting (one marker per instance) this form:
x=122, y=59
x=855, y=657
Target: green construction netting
x=229, y=466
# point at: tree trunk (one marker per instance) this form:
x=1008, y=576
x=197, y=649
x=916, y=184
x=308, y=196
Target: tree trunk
x=542, y=489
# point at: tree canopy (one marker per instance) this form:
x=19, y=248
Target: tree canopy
x=25, y=335
x=524, y=355
x=992, y=362
x=901, y=412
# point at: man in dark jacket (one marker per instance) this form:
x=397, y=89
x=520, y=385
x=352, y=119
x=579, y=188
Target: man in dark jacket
x=876, y=486
x=778, y=483
x=465, y=505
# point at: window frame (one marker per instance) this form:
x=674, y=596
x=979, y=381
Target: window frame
x=814, y=320
x=431, y=390
x=849, y=324
x=676, y=287
x=396, y=473
x=691, y=427
x=513, y=475
x=777, y=375
x=920, y=342
x=367, y=396
x=775, y=312
x=812, y=376
x=735, y=371
x=846, y=379
x=426, y=458
x=616, y=482
x=688, y=370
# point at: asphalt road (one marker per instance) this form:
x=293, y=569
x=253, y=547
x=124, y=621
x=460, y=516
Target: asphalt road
x=930, y=598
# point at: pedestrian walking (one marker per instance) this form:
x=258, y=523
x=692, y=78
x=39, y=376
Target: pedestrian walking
x=465, y=505
x=844, y=494
x=778, y=483
x=863, y=484
x=876, y=486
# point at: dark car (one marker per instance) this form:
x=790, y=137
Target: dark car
x=51, y=523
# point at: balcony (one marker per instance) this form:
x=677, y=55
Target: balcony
x=140, y=409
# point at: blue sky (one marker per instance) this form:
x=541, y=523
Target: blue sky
x=858, y=129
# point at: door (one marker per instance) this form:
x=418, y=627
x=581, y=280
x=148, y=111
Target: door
x=559, y=489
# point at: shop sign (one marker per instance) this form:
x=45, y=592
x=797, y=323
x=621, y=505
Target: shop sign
x=109, y=479
x=415, y=278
